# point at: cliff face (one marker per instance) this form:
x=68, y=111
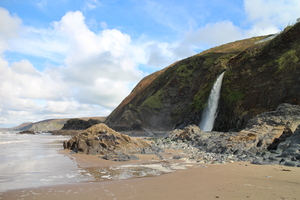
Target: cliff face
x=45, y=125
x=81, y=124
x=57, y=124
x=259, y=76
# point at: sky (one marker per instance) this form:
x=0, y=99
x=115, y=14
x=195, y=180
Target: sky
x=81, y=58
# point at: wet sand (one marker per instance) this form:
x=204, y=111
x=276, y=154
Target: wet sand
x=229, y=181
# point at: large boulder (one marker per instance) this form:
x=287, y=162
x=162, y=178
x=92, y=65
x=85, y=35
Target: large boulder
x=267, y=130
x=100, y=139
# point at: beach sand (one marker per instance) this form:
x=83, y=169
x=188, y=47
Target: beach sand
x=239, y=180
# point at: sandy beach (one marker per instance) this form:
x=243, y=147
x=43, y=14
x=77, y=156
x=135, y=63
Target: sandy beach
x=239, y=180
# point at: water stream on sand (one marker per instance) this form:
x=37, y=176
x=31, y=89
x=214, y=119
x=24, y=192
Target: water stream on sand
x=210, y=112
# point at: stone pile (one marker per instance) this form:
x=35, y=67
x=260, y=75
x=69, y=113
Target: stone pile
x=270, y=138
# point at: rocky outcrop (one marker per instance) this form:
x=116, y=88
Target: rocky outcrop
x=80, y=124
x=270, y=138
x=102, y=140
x=27, y=132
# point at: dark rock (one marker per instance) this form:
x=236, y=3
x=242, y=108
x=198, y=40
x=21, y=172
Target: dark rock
x=274, y=158
x=266, y=154
x=79, y=124
x=107, y=157
x=177, y=157
x=27, y=132
x=120, y=157
x=151, y=150
x=257, y=161
x=133, y=157
x=291, y=163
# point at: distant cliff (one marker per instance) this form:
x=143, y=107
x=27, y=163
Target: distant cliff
x=261, y=73
x=80, y=124
x=57, y=124
x=45, y=125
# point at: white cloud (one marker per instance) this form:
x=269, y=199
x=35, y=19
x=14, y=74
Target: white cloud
x=214, y=34
x=97, y=71
x=270, y=16
x=91, y=4
x=9, y=28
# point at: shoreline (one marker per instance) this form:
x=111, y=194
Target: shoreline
x=239, y=180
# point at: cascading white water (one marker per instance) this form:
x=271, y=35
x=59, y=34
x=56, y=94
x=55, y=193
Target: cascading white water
x=210, y=112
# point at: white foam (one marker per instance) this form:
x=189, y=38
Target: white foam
x=158, y=167
x=59, y=176
x=178, y=167
x=125, y=175
x=106, y=177
x=15, y=141
x=70, y=175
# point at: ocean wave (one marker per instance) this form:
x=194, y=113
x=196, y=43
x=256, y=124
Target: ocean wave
x=15, y=141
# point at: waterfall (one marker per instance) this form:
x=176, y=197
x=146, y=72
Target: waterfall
x=210, y=112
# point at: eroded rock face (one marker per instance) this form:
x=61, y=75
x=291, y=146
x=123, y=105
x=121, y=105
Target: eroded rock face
x=268, y=129
x=270, y=138
x=100, y=139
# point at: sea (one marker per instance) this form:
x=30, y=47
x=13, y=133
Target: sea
x=28, y=161
x=36, y=160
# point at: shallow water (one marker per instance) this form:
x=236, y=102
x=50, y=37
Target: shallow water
x=33, y=160
x=28, y=161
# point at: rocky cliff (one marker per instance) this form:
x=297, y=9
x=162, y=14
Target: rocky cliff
x=52, y=125
x=45, y=125
x=261, y=73
x=80, y=124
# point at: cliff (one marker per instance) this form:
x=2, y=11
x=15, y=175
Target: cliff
x=51, y=125
x=45, y=125
x=261, y=73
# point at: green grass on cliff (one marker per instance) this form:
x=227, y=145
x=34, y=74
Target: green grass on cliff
x=231, y=95
x=290, y=58
x=154, y=102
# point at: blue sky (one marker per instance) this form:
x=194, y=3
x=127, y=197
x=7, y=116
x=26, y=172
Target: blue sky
x=81, y=58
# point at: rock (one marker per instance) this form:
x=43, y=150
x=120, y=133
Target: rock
x=151, y=150
x=79, y=124
x=100, y=139
x=258, y=161
x=107, y=157
x=270, y=138
x=177, y=157
x=27, y=132
x=133, y=157
x=120, y=157
x=291, y=164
